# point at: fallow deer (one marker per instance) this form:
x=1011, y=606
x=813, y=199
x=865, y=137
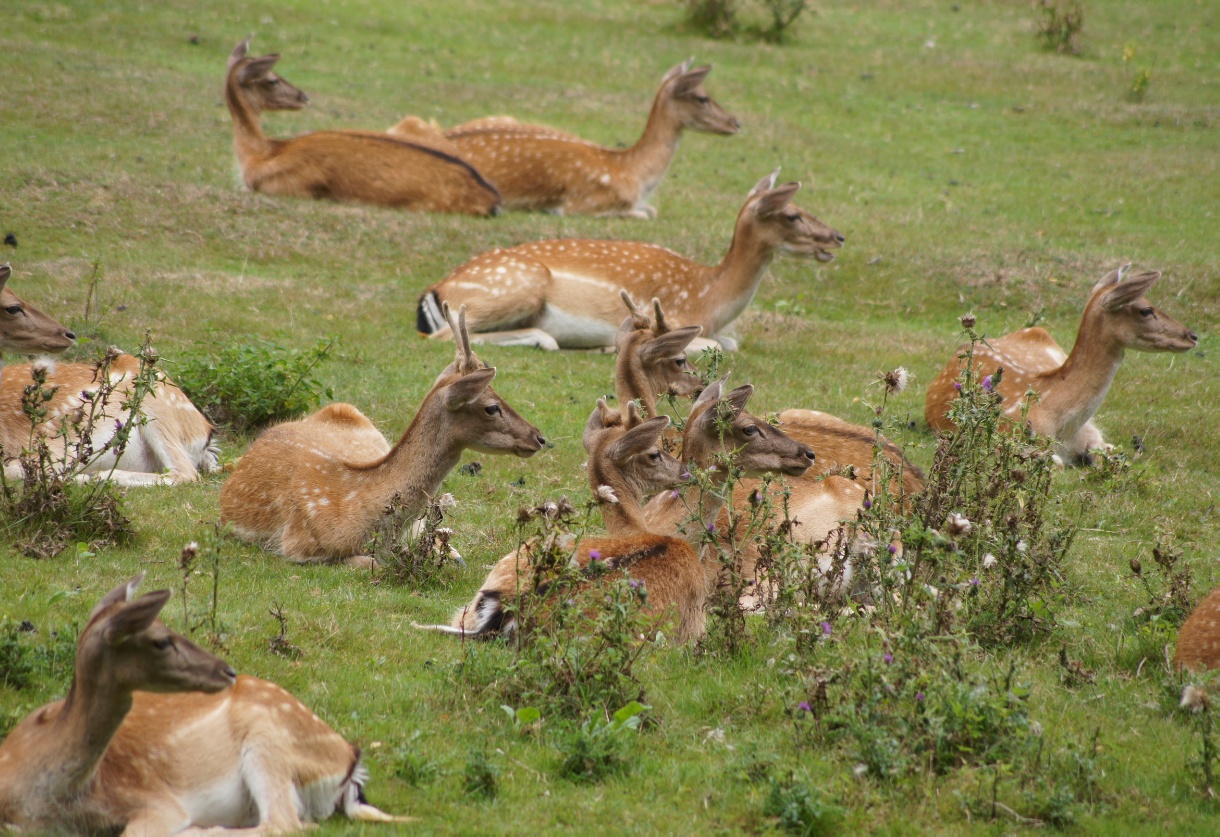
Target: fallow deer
x=565, y=293
x=1199, y=638
x=313, y=489
x=157, y=736
x=366, y=166
x=626, y=461
x=170, y=441
x=1069, y=387
x=651, y=359
x=26, y=330
x=536, y=167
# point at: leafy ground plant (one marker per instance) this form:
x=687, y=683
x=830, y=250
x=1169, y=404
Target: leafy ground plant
x=249, y=382
x=1060, y=25
x=412, y=551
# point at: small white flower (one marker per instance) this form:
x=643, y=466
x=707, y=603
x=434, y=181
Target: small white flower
x=988, y=561
x=446, y=501
x=606, y=494
x=1194, y=698
x=44, y=364
x=550, y=509
x=1021, y=546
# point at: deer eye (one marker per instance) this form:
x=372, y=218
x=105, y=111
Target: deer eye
x=655, y=456
x=163, y=643
x=703, y=100
x=1147, y=312
x=679, y=362
x=792, y=218
x=492, y=409
x=13, y=310
x=750, y=430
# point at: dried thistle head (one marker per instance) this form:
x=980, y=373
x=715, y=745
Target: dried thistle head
x=895, y=380
x=968, y=321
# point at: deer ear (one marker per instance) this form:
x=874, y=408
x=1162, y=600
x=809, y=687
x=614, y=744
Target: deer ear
x=674, y=72
x=1129, y=290
x=466, y=390
x=763, y=185
x=257, y=68
x=600, y=419
x=737, y=398
x=5, y=272
x=775, y=200
x=638, y=439
x=687, y=83
x=1112, y=278
x=125, y=592
x=669, y=344
x=239, y=52
x=134, y=617
x=639, y=319
x=710, y=395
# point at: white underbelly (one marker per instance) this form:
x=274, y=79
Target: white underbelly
x=574, y=331
x=225, y=803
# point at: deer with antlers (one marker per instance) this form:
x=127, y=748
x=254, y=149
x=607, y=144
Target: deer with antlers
x=157, y=736
x=26, y=330
x=313, y=489
x=365, y=166
x=540, y=168
x=626, y=462
x=1069, y=388
x=169, y=441
x=566, y=293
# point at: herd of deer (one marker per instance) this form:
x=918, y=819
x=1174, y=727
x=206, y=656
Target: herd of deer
x=157, y=735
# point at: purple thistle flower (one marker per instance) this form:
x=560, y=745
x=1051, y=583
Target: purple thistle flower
x=804, y=706
x=957, y=385
x=987, y=383
x=893, y=549
x=919, y=696
x=974, y=582
x=594, y=555
x=826, y=628
x=868, y=504
x=888, y=659
x=635, y=583
x=711, y=527
x=675, y=494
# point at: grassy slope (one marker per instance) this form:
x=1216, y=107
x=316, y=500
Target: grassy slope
x=979, y=173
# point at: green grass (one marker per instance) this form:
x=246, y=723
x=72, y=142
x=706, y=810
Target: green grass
x=980, y=173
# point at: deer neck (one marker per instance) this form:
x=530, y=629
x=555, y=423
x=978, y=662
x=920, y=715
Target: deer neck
x=737, y=277
x=631, y=383
x=415, y=467
x=81, y=732
x=1080, y=385
x=248, y=136
x=710, y=497
x=625, y=514
x=650, y=157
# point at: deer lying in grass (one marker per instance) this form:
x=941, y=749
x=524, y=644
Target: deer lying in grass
x=1199, y=638
x=651, y=358
x=1069, y=387
x=565, y=293
x=536, y=167
x=626, y=462
x=313, y=489
x=157, y=736
x=26, y=330
x=366, y=166
x=170, y=441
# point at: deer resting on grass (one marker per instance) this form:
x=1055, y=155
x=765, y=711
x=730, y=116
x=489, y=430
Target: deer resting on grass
x=365, y=166
x=536, y=167
x=26, y=330
x=157, y=736
x=313, y=489
x=566, y=293
x=1069, y=387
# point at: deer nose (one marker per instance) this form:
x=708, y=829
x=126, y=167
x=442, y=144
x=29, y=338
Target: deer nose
x=839, y=238
x=808, y=454
x=541, y=440
x=1194, y=338
x=72, y=336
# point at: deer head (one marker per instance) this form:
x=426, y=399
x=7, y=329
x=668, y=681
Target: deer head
x=652, y=356
x=784, y=226
x=25, y=329
x=625, y=453
x=1129, y=320
x=683, y=96
x=126, y=644
x=719, y=425
x=262, y=88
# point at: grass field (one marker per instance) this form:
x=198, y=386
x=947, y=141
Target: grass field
x=969, y=169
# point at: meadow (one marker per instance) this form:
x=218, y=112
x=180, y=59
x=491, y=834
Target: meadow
x=970, y=171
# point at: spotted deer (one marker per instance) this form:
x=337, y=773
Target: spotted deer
x=626, y=461
x=566, y=293
x=1069, y=387
x=157, y=736
x=365, y=166
x=170, y=441
x=313, y=489
x=540, y=168
x=26, y=330
x=1199, y=639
